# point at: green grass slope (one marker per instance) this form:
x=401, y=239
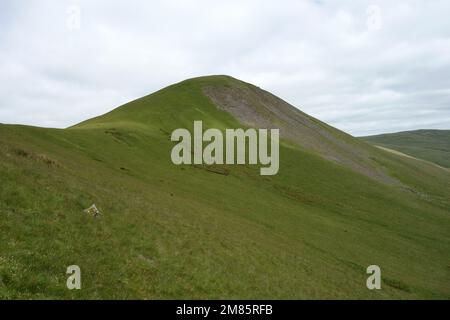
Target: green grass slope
x=431, y=145
x=200, y=232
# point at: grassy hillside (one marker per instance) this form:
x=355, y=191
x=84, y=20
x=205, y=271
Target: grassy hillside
x=171, y=231
x=431, y=145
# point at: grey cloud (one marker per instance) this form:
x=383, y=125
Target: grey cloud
x=318, y=55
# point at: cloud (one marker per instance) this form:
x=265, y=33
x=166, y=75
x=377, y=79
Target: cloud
x=364, y=67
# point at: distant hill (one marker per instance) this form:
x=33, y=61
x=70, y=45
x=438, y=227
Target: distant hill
x=336, y=206
x=431, y=145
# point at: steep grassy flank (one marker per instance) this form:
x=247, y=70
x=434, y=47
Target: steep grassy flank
x=171, y=231
x=431, y=145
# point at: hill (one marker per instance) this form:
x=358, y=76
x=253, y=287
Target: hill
x=431, y=145
x=336, y=206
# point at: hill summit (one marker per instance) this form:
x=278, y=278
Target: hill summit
x=218, y=99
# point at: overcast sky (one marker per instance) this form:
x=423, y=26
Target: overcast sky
x=363, y=67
